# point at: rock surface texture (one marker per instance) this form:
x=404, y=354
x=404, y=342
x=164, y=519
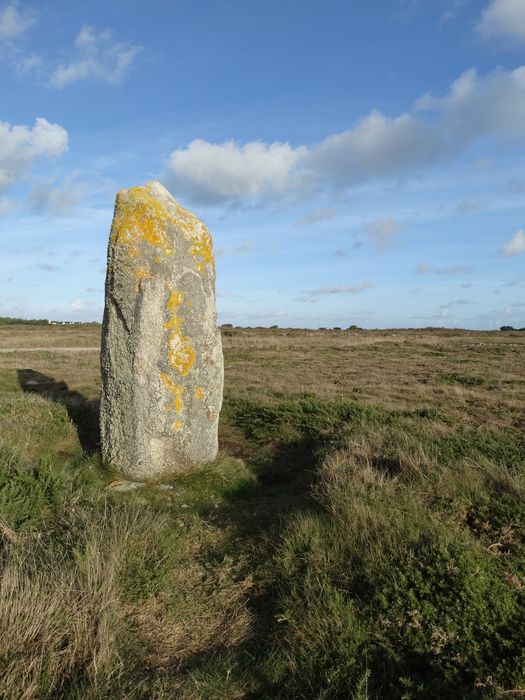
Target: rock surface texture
x=162, y=366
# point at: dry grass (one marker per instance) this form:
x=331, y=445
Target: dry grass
x=479, y=376
x=25, y=336
x=59, y=612
x=211, y=616
x=235, y=582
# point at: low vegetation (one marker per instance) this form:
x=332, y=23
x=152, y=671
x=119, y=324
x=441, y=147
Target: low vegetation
x=7, y=320
x=361, y=535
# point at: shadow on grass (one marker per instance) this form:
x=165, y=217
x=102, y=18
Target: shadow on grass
x=83, y=412
x=257, y=515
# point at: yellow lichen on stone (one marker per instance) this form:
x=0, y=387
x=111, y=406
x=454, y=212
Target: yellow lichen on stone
x=201, y=248
x=175, y=300
x=142, y=273
x=199, y=392
x=200, y=239
x=177, y=425
x=140, y=217
x=180, y=350
x=176, y=389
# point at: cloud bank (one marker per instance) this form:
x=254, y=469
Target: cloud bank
x=377, y=147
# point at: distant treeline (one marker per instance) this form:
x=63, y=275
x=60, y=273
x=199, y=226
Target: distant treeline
x=229, y=328
x=8, y=320
x=31, y=321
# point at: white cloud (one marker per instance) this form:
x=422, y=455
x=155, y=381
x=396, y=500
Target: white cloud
x=382, y=231
x=13, y=21
x=504, y=18
x=8, y=205
x=516, y=245
x=443, y=315
x=457, y=302
x=305, y=299
x=377, y=147
x=78, y=309
x=343, y=252
x=453, y=10
x=341, y=289
x=47, y=267
x=96, y=56
x=60, y=199
x=476, y=107
x=469, y=206
x=452, y=270
x=21, y=146
x=245, y=247
x=317, y=216
x=520, y=283
x=27, y=63
x=311, y=296
x=212, y=173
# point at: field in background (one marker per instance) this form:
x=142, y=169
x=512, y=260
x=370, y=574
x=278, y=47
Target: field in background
x=361, y=534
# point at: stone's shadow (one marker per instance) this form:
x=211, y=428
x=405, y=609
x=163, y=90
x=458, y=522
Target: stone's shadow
x=256, y=516
x=83, y=412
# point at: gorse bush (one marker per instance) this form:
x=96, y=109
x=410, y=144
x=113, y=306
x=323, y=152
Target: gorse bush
x=30, y=493
x=379, y=585
x=298, y=418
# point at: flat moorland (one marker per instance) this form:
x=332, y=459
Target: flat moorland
x=361, y=534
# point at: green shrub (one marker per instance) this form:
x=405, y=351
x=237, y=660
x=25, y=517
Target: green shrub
x=378, y=587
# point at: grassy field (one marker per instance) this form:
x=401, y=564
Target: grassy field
x=361, y=534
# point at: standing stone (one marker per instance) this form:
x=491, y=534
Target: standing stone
x=162, y=366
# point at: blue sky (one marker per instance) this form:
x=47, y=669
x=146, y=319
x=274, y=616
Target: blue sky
x=356, y=162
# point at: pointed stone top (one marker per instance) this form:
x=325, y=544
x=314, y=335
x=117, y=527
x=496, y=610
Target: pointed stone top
x=154, y=188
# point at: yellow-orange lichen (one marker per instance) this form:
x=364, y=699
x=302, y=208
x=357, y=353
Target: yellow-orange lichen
x=198, y=234
x=201, y=247
x=142, y=273
x=177, y=390
x=181, y=354
x=199, y=392
x=141, y=217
